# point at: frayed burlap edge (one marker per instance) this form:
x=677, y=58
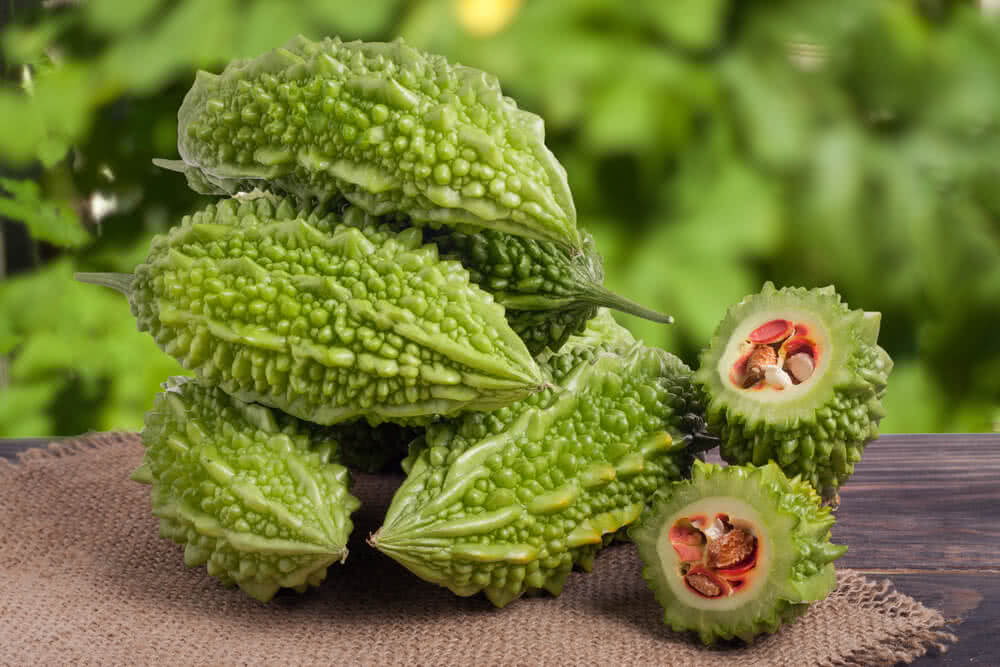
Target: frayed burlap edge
x=929, y=628
x=58, y=449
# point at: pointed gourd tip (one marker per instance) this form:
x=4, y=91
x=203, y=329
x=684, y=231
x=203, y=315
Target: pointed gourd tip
x=602, y=296
x=372, y=539
x=179, y=166
x=121, y=282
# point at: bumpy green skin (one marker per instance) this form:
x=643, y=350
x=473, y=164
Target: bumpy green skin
x=327, y=320
x=372, y=449
x=549, y=292
x=822, y=434
x=390, y=128
x=508, y=502
x=795, y=524
x=253, y=494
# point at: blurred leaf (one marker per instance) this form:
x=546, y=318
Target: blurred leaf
x=693, y=23
x=771, y=110
x=27, y=44
x=267, y=24
x=22, y=129
x=46, y=220
x=115, y=16
x=354, y=20
x=85, y=340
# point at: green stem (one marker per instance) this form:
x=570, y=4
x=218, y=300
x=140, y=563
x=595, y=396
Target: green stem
x=601, y=296
x=116, y=281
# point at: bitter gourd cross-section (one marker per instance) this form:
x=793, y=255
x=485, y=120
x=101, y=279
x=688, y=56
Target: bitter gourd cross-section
x=736, y=551
x=390, y=128
x=549, y=291
x=508, y=502
x=253, y=494
x=327, y=319
x=813, y=419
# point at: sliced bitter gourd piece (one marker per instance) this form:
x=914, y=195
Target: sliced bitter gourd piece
x=736, y=551
x=508, y=502
x=549, y=291
x=327, y=319
x=255, y=495
x=388, y=127
x=795, y=376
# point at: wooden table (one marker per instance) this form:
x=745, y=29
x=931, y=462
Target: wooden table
x=923, y=511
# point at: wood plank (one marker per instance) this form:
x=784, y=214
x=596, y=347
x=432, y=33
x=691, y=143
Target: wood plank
x=923, y=502
x=970, y=601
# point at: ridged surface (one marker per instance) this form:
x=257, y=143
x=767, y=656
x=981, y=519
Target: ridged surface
x=795, y=526
x=822, y=433
x=508, y=502
x=549, y=291
x=390, y=128
x=328, y=320
x=372, y=449
x=254, y=495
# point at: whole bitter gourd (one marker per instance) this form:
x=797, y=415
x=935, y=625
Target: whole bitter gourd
x=549, y=291
x=796, y=377
x=328, y=320
x=255, y=495
x=508, y=502
x=736, y=551
x=390, y=128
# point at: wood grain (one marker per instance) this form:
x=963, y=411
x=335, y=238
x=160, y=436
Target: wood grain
x=923, y=502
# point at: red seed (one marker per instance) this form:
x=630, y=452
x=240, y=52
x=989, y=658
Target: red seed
x=772, y=332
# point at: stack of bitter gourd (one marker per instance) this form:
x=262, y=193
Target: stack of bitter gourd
x=394, y=266
x=395, y=251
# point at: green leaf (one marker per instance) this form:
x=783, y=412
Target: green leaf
x=47, y=220
x=22, y=128
x=692, y=23
x=115, y=16
x=353, y=19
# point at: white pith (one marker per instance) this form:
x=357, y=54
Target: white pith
x=741, y=515
x=735, y=348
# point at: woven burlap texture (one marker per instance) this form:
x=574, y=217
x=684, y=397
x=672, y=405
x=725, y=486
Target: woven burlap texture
x=86, y=579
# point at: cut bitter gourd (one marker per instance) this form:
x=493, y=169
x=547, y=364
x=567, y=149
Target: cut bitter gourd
x=390, y=128
x=329, y=320
x=736, y=551
x=794, y=376
x=508, y=502
x=255, y=495
x=549, y=291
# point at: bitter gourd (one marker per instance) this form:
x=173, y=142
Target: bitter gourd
x=736, y=551
x=390, y=128
x=507, y=502
x=372, y=449
x=795, y=376
x=253, y=494
x=549, y=291
x=328, y=320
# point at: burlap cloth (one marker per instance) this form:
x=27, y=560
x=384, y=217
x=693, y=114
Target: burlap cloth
x=86, y=579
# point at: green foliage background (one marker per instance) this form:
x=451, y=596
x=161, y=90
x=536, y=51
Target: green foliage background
x=710, y=145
